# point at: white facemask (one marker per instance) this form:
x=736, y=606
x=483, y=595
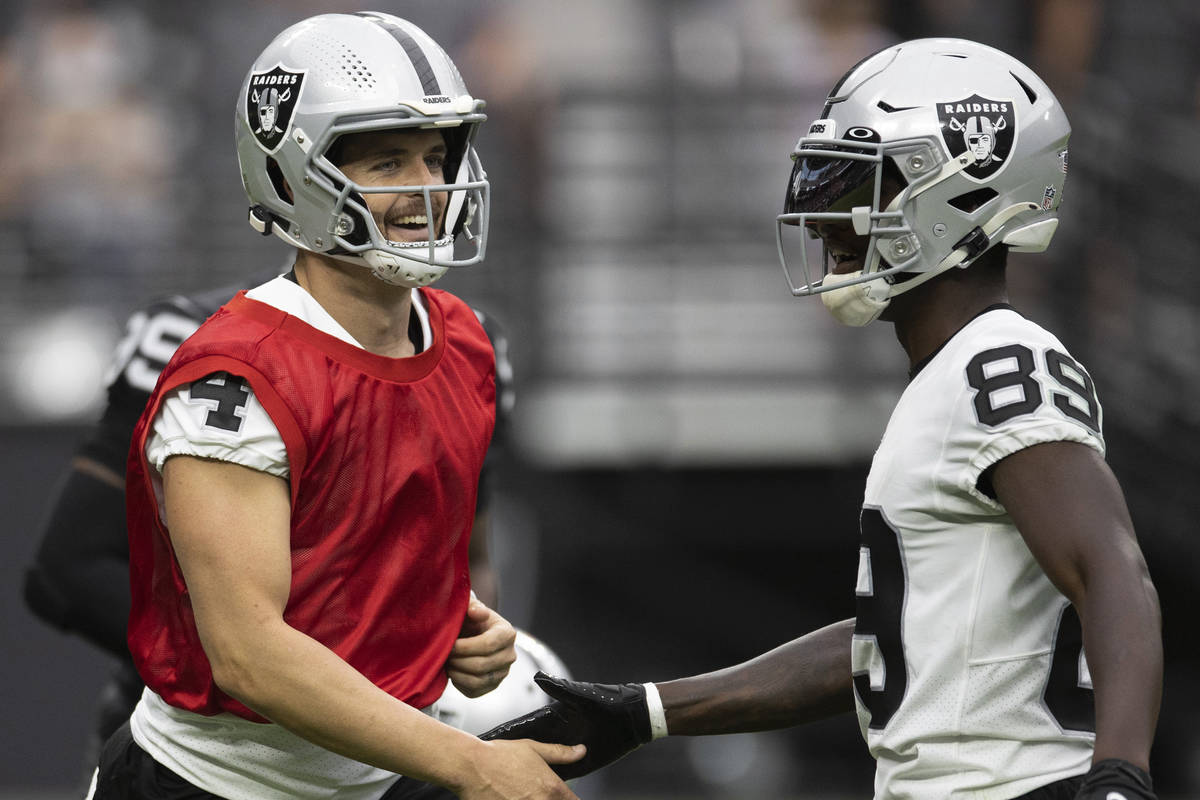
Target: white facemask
x=858, y=304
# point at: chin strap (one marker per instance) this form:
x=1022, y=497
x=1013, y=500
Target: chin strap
x=857, y=304
x=261, y=220
x=400, y=271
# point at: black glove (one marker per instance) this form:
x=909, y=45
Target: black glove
x=1114, y=779
x=611, y=719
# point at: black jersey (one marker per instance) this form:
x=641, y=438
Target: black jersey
x=79, y=580
x=152, y=335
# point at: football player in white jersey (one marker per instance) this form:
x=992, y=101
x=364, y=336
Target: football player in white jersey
x=995, y=547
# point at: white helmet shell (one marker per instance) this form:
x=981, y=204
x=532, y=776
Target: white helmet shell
x=977, y=141
x=337, y=74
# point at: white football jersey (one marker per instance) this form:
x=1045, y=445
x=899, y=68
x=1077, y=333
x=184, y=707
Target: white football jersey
x=969, y=673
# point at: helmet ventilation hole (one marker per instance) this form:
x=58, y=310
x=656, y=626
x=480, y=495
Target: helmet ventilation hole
x=338, y=58
x=277, y=182
x=973, y=201
x=1030, y=93
x=352, y=65
x=888, y=108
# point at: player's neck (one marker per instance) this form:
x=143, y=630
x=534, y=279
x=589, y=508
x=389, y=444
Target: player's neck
x=375, y=313
x=929, y=315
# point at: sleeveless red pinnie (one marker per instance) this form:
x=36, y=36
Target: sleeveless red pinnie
x=385, y=457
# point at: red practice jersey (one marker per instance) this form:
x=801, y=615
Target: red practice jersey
x=384, y=457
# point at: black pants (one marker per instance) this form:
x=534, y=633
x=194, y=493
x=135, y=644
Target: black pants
x=127, y=772
x=114, y=705
x=1065, y=789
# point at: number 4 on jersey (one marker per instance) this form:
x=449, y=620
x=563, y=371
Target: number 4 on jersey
x=229, y=392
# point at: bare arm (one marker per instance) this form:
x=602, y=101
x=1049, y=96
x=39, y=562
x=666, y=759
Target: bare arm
x=1071, y=512
x=230, y=527
x=804, y=680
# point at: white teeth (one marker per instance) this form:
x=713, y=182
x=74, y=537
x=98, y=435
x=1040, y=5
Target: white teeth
x=420, y=219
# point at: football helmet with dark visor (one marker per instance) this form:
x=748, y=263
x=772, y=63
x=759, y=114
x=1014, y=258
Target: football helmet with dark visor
x=893, y=157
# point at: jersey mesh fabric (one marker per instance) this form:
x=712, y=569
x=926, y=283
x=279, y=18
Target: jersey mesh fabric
x=180, y=429
x=385, y=455
x=961, y=703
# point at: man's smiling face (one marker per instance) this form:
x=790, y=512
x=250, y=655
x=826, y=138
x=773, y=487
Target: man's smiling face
x=412, y=157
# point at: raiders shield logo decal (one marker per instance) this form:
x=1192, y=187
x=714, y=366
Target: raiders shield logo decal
x=988, y=128
x=270, y=100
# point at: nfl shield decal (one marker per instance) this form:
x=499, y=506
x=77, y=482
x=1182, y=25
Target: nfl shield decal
x=986, y=127
x=270, y=100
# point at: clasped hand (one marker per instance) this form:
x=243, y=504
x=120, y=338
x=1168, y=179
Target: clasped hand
x=483, y=652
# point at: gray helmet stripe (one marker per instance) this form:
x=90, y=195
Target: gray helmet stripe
x=429, y=81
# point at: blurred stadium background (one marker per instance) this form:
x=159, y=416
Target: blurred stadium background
x=690, y=442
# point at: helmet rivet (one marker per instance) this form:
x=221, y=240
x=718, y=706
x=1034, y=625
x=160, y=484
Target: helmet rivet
x=307, y=181
x=343, y=227
x=939, y=229
x=916, y=163
x=299, y=137
x=318, y=242
x=900, y=247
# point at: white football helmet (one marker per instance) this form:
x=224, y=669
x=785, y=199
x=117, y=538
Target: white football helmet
x=338, y=74
x=975, y=139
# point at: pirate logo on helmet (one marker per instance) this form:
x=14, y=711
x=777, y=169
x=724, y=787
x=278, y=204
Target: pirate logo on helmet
x=985, y=127
x=270, y=100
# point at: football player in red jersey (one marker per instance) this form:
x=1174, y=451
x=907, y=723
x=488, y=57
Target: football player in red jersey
x=78, y=581
x=1008, y=637
x=302, y=485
